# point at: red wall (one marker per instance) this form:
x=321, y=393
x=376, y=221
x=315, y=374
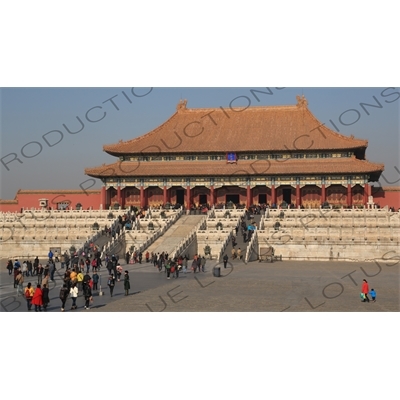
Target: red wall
x=30, y=199
x=387, y=196
x=27, y=199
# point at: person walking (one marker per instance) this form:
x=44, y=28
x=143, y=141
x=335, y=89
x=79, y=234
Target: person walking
x=45, y=281
x=95, y=279
x=87, y=264
x=111, y=284
x=66, y=260
x=39, y=273
x=67, y=279
x=30, y=267
x=109, y=266
x=225, y=259
x=79, y=279
x=52, y=269
x=373, y=295
x=160, y=263
x=168, y=268
x=119, y=272
x=37, y=300
x=74, y=295
x=177, y=269
x=87, y=292
x=185, y=264
x=29, y=292
x=17, y=271
x=19, y=280
x=46, y=270
x=17, y=264
x=174, y=268
x=73, y=277
x=10, y=267
x=127, y=284
x=114, y=271
x=194, y=265
x=86, y=281
x=198, y=262
x=35, y=265
x=25, y=268
x=127, y=257
x=203, y=264
x=45, y=297
x=94, y=264
x=365, y=291
x=63, y=296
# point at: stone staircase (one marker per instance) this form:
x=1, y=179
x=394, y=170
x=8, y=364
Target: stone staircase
x=239, y=239
x=102, y=240
x=175, y=234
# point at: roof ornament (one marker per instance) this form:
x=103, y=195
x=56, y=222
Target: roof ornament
x=181, y=105
x=301, y=101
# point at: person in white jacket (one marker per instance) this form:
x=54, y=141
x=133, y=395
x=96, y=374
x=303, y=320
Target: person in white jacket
x=74, y=295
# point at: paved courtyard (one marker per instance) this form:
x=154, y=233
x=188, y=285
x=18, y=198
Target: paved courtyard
x=280, y=286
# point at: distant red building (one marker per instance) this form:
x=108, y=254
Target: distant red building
x=54, y=199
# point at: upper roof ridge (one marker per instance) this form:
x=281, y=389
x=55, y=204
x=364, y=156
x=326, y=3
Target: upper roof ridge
x=273, y=127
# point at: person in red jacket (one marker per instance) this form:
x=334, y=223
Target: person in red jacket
x=365, y=290
x=37, y=299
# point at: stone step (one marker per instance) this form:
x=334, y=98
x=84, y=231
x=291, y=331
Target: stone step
x=175, y=234
x=239, y=239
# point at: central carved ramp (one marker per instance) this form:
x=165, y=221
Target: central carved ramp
x=175, y=234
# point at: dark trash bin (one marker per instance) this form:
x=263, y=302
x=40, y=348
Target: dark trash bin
x=217, y=272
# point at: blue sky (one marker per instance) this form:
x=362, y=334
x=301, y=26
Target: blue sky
x=27, y=114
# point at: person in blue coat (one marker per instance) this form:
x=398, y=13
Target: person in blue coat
x=373, y=294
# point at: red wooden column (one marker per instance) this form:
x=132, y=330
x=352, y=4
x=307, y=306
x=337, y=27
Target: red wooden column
x=212, y=196
x=188, y=199
x=119, y=195
x=273, y=195
x=298, y=197
x=103, y=197
x=123, y=197
x=248, y=195
x=165, y=195
x=367, y=192
x=349, y=195
x=323, y=193
x=142, y=199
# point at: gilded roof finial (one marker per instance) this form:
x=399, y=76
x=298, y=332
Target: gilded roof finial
x=302, y=101
x=181, y=105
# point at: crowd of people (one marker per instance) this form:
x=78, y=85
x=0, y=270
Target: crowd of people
x=76, y=280
x=246, y=230
x=175, y=265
